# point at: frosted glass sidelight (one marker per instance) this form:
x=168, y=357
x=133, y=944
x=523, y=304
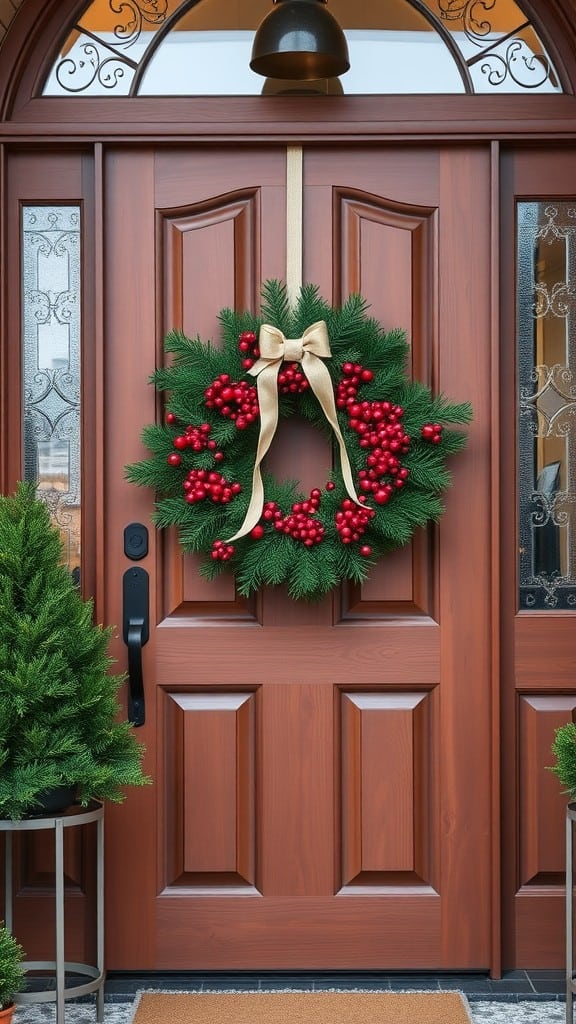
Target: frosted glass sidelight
x=546, y=319
x=51, y=364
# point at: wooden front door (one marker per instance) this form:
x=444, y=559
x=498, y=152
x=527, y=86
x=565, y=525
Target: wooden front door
x=321, y=792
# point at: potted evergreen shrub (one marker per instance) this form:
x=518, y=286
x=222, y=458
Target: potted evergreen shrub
x=11, y=973
x=59, y=707
x=564, y=750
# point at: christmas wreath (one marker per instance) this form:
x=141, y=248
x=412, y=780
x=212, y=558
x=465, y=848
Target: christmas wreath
x=338, y=369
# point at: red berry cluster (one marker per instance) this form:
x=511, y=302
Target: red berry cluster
x=299, y=523
x=248, y=346
x=203, y=483
x=347, y=389
x=221, y=551
x=379, y=426
x=432, y=432
x=195, y=438
x=237, y=401
x=291, y=380
x=351, y=522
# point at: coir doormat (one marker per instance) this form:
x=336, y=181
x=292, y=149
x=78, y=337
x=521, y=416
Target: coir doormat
x=340, y=1007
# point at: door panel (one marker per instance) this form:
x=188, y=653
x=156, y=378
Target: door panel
x=314, y=765
x=538, y=646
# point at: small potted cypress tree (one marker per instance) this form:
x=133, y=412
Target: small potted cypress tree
x=564, y=750
x=11, y=973
x=59, y=707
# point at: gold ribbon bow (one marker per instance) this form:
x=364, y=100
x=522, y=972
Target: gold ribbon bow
x=309, y=350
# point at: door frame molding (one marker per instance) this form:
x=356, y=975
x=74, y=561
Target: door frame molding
x=50, y=124
x=36, y=31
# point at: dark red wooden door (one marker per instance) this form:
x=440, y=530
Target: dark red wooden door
x=321, y=791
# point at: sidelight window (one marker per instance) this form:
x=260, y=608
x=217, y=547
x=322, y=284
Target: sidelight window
x=51, y=365
x=546, y=319
x=203, y=47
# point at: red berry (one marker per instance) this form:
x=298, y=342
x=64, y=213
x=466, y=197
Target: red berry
x=365, y=550
x=171, y=418
x=174, y=459
x=258, y=532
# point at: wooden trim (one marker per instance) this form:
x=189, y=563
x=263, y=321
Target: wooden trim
x=289, y=120
x=98, y=383
x=88, y=399
x=507, y=597
x=36, y=32
x=554, y=22
x=496, y=952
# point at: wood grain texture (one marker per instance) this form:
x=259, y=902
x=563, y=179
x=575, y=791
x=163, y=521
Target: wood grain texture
x=210, y=789
x=270, y=879
x=464, y=541
x=538, y=650
x=386, y=788
x=316, y=789
x=542, y=804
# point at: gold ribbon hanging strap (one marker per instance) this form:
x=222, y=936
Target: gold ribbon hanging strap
x=309, y=350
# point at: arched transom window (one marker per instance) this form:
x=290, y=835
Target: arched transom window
x=203, y=47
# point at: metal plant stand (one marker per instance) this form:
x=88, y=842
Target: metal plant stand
x=71, y=818
x=570, y=966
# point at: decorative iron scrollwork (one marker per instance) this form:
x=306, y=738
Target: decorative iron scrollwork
x=504, y=55
x=526, y=69
x=477, y=29
x=139, y=13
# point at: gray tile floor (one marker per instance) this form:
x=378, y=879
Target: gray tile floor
x=519, y=997
x=512, y=987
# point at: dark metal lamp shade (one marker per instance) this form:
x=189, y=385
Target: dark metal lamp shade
x=301, y=40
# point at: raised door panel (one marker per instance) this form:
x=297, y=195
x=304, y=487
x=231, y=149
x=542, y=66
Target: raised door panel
x=386, y=249
x=389, y=791
x=209, y=800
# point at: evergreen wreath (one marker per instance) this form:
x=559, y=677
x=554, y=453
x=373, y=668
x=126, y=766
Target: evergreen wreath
x=202, y=464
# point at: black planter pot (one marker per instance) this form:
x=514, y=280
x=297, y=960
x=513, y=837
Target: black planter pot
x=52, y=801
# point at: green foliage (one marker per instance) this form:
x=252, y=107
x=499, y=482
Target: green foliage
x=275, y=558
x=11, y=972
x=58, y=701
x=564, y=749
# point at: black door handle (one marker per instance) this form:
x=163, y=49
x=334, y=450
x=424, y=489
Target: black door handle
x=136, y=632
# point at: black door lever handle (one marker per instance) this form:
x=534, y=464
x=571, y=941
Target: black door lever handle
x=136, y=633
x=136, y=706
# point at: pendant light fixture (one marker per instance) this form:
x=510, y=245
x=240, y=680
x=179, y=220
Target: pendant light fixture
x=300, y=40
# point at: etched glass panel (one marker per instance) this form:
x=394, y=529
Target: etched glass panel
x=51, y=364
x=203, y=48
x=102, y=52
x=501, y=49
x=546, y=318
